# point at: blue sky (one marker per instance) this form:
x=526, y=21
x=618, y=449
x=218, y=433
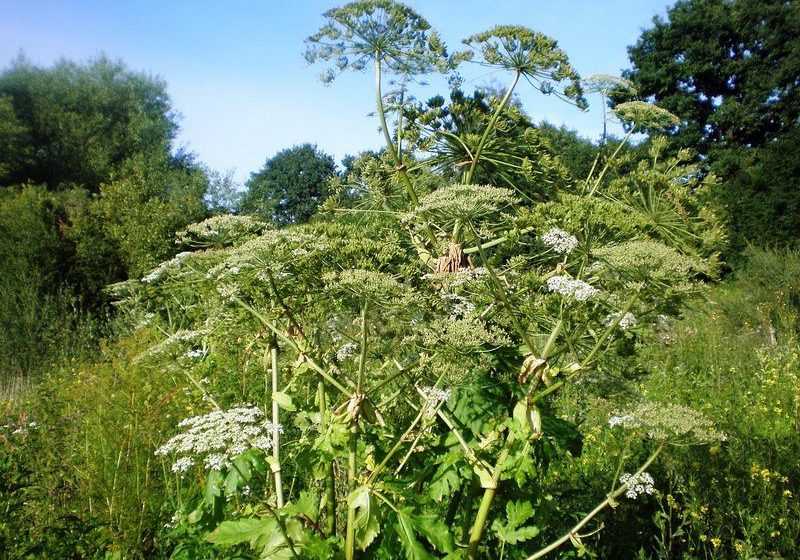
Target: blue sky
x=236, y=74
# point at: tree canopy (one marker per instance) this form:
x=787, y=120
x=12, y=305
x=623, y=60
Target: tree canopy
x=728, y=68
x=290, y=185
x=74, y=124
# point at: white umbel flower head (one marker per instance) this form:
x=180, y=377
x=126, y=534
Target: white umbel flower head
x=638, y=485
x=216, y=438
x=346, y=351
x=569, y=287
x=434, y=396
x=626, y=322
x=560, y=241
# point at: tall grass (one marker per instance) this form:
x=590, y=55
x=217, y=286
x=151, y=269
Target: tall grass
x=735, y=356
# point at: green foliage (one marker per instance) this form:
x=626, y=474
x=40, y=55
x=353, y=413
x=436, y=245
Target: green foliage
x=725, y=67
x=429, y=367
x=74, y=125
x=517, y=155
x=290, y=186
x=727, y=71
x=736, y=357
x=86, y=482
x=141, y=211
x=40, y=317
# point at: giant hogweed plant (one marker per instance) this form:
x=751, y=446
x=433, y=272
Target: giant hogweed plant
x=402, y=373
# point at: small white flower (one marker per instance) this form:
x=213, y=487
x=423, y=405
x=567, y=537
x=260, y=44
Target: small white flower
x=626, y=322
x=219, y=436
x=182, y=464
x=566, y=286
x=623, y=421
x=433, y=398
x=637, y=485
x=560, y=241
x=346, y=351
x=195, y=353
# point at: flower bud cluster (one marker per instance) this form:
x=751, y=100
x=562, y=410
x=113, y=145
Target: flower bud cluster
x=346, y=351
x=434, y=396
x=218, y=437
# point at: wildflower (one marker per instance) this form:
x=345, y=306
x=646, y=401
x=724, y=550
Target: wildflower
x=194, y=353
x=670, y=422
x=346, y=351
x=566, y=286
x=625, y=420
x=626, y=322
x=434, y=396
x=638, y=485
x=219, y=436
x=560, y=241
x=182, y=464
x=462, y=307
x=219, y=231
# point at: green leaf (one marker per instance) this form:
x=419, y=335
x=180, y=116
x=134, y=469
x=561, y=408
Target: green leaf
x=512, y=530
x=414, y=550
x=248, y=529
x=367, y=524
x=437, y=533
x=284, y=401
x=307, y=505
x=444, y=482
x=213, y=488
x=484, y=476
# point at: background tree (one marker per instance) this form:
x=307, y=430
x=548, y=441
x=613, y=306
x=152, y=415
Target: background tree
x=728, y=69
x=290, y=185
x=75, y=124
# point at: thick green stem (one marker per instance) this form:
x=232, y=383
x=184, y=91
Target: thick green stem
x=490, y=128
x=401, y=169
x=608, y=164
x=276, y=431
x=589, y=358
x=486, y=504
x=412, y=194
x=352, y=451
x=501, y=294
x=572, y=533
x=493, y=242
x=291, y=343
x=350, y=535
x=362, y=360
x=330, y=478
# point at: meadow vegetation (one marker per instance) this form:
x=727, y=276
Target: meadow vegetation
x=489, y=340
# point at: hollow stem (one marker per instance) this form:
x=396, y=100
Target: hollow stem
x=486, y=503
x=608, y=164
x=291, y=343
x=600, y=507
x=330, y=479
x=401, y=169
x=490, y=128
x=276, y=433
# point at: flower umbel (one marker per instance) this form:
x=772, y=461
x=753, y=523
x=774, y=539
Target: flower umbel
x=566, y=286
x=560, y=241
x=218, y=437
x=638, y=485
